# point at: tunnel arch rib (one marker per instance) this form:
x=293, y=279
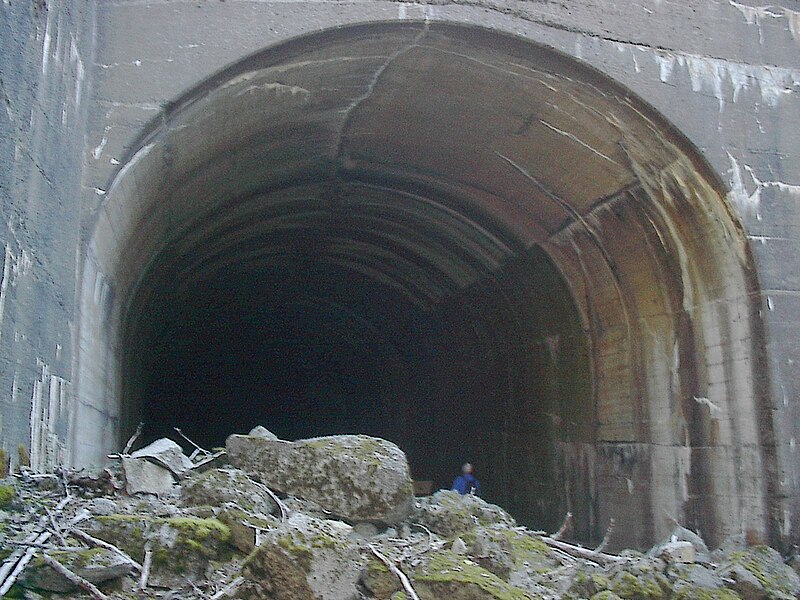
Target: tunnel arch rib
x=494, y=248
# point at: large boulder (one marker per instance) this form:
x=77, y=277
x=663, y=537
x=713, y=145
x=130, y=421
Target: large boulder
x=304, y=558
x=355, y=477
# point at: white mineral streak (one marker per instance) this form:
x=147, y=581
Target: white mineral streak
x=725, y=80
x=755, y=15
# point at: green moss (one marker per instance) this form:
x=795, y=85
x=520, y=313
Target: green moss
x=605, y=595
x=631, y=586
x=7, y=495
x=200, y=529
x=300, y=552
x=376, y=566
x=695, y=593
x=447, y=567
x=323, y=540
x=4, y=463
x=399, y=596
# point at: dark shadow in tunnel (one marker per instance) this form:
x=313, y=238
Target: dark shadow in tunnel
x=496, y=373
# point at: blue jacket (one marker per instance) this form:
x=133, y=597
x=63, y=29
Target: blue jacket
x=464, y=484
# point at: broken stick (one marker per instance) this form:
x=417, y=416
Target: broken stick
x=581, y=552
x=564, y=526
x=76, y=579
x=400, y=575
x=147, y=563
x=96, y=543
x=606, y=537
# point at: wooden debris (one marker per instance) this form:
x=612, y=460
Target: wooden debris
x=76, y=579
x=564, y=527
x=228, y=589
x=581, y=552
x=606, y=537
x=147, y=563
x=96, y=543
x=394, y=569
x=133, y=438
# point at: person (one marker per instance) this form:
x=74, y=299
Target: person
x=467, y=483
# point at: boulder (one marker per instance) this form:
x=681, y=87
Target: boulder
x=354, y=477
x=221, y=486
x=144, y=477
x=95, y=565
x=166, y=453
x=182, y=546
x=449, y=514
x=262, y=432
x=441, y=574
x=759, y=572
x=303, y=558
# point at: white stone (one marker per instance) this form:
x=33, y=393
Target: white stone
x=679, y=552
x=145, y=477
x=166, y=453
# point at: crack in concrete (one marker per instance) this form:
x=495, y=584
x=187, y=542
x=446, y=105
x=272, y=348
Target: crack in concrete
x=348, y=112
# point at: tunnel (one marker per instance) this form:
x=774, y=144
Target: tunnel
x=458, y=240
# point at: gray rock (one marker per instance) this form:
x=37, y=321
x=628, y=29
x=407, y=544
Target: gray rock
x=365, y=529
x=304, y=559
x=220, y=486
x=459, y=547
x=677, y=552
x=449, y=514
x=96, y=566
x=743, y=582
x=759, y=572
x=103, y=506
x=355, y=477
x=166, y=453
x=262, y=432
x=144, y=477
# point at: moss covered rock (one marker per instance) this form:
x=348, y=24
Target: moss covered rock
x=449, y=514
x=95, y=565
x=355, y=477
x=303, y=556
x=443, y=574
x=220, y=486
x=181, y=546
x=759, y=572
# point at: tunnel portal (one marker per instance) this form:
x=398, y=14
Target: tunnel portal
x=466, y=243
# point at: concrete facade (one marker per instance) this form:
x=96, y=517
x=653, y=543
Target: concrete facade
x=702, y=432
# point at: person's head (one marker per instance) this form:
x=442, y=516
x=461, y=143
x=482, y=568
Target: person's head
x=467, y=469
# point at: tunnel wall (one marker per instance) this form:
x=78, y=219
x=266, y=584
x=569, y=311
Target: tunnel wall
x=46, y=56
x=725, y=74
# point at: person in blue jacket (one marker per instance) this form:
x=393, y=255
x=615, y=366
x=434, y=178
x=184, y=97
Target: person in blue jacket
x=466, y=483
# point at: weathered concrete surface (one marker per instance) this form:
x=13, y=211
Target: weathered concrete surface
x=46, y=55
x=689, y=336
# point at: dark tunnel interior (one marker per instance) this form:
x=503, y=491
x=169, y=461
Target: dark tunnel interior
x=413, y=325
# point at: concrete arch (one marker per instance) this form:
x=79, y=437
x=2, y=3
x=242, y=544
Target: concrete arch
x=458, y=239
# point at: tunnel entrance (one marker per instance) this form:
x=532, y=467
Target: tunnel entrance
x=381, y=313
x=461, y=241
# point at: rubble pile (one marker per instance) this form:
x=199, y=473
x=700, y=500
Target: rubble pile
x=330, y=518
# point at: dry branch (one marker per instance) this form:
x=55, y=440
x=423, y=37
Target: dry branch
x=400, y=575
x=606, y=537
x=564, y=527
x=76, y=579
x=231, y=587
x=94, y=542
x=133, y=438
x=581, y=552
x=19, y=559
x=147, y=563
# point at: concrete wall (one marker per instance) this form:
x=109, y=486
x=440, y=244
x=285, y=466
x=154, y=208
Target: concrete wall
x=727, y=74
x=46, y=55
